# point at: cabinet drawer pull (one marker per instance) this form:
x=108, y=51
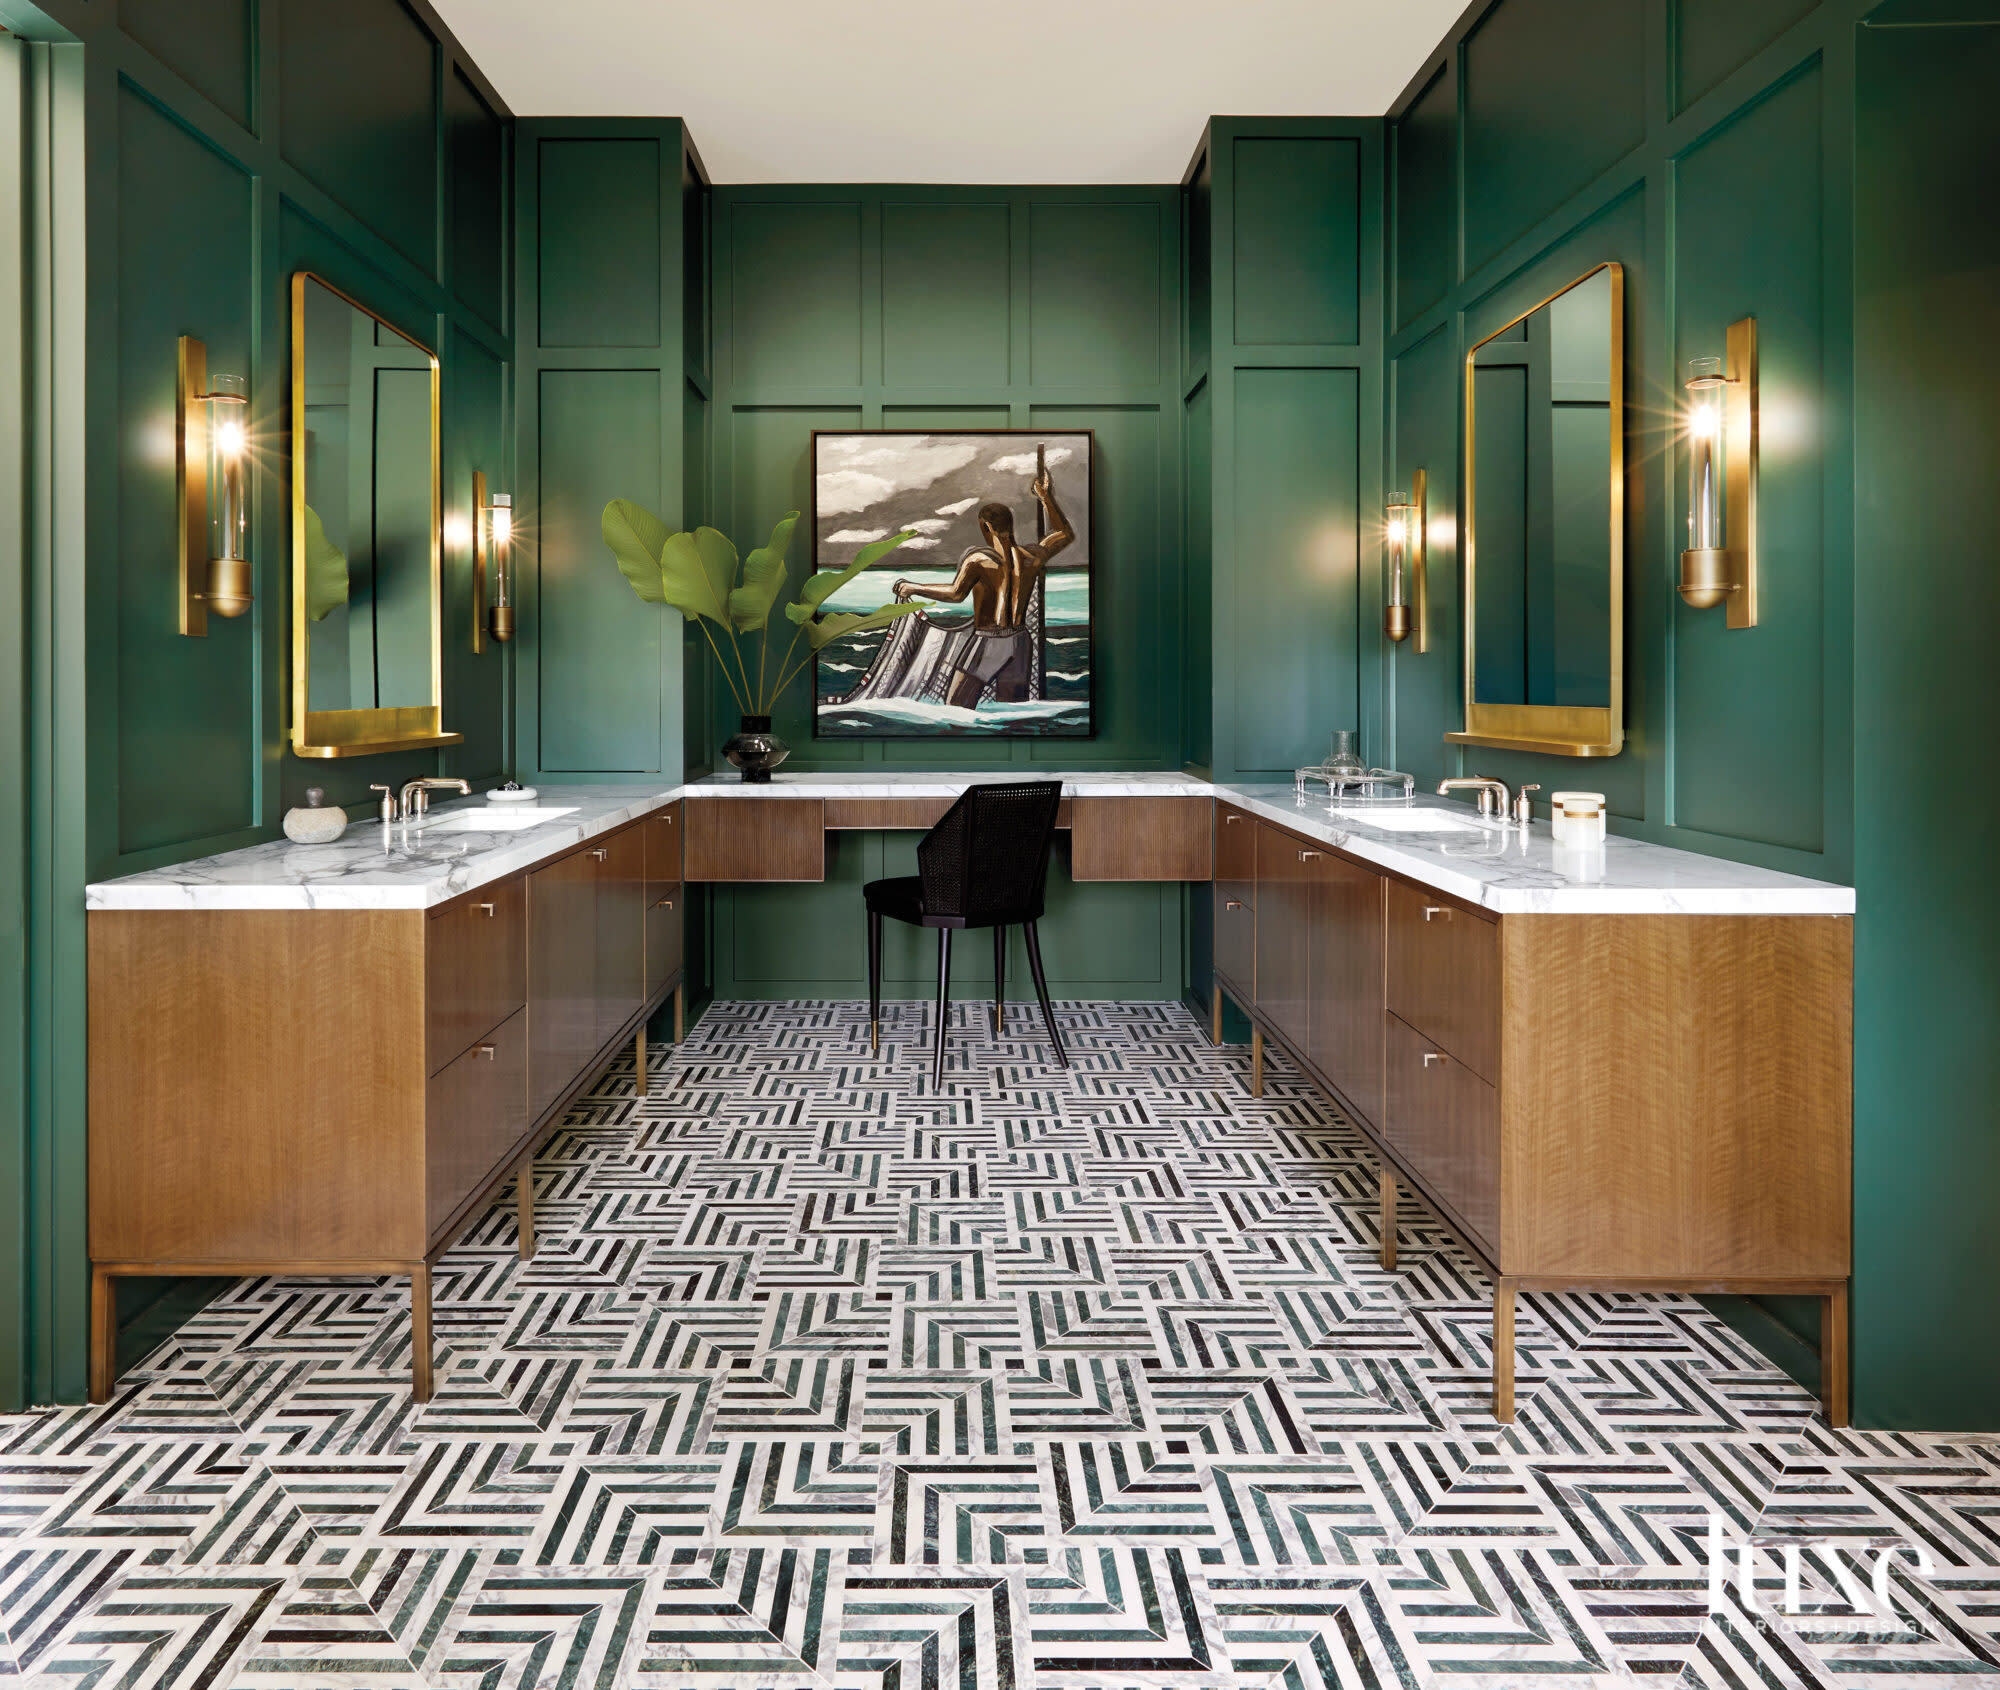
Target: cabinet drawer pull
x=1308, y=856
x=1231, y=904
x=1231, y=821
x=1437, y=910
x=1431, y=1056
x=485, y=1052
x=601, y=853
x=664, y=904
x=484, y=909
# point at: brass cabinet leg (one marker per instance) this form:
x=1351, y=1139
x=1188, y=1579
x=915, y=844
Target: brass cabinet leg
x=420, y=1332
x=679, y=1004
x=103, y=1334
x=1388, y=1218
x=1215, y=1018
x=1256, y=1062
x=639, y=1059
x=1833, y=1356
x=1503, y=1349
x=524, y=1208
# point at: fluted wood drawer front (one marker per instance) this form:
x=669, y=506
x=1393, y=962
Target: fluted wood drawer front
x=662, y=832
x=1236, y=939
x=665, y=913
x=1444, y=976
x=476, y=1114
x=1444, y=1120
x=1236, y=851
x=475, y=969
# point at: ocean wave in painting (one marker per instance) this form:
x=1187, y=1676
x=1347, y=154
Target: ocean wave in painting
x=916, y=716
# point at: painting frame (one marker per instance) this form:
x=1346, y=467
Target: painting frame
x=1086, y=528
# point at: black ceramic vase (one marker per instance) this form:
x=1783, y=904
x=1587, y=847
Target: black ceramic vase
x=755, y=749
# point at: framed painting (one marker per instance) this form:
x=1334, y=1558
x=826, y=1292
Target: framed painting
x=1000, y=559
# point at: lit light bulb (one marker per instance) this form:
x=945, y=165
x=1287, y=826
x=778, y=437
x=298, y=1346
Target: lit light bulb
x=1702, y=422
x=230, y=439
x=1398, y=533
x=503, y=525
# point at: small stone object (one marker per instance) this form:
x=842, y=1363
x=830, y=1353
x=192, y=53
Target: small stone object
x=316, y=822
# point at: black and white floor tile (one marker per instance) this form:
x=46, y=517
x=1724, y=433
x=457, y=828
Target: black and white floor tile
x=1062, y=1379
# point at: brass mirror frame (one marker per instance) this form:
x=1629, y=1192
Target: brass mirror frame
x=1563, y=730
x=360, y=733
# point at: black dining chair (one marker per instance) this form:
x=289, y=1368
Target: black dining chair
x=985, y=864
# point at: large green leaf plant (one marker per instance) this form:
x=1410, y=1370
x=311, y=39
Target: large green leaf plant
x=698, y=575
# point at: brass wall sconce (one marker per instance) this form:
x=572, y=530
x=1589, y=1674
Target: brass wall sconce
x=211, y=446
x=493, y=545
x=1406, y=537
x=1720, y=564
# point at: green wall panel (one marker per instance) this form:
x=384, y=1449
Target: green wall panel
x=1426, y=236
x=795, y=292
x=477, y=142
x=946, y=298
x=1748, y=223
x=597, y=651
x=1527, y=146
x=1714, y=37
x=597, y=198
x=356, y=78
x=187, y=736
x=1298, y=252
x=1197, y=313
x=205, y=41
x=1095, y=297
x=474, y=437
x=1927, y=602
x=1297, y=530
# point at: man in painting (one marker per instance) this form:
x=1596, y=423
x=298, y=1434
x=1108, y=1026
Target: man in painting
x=1000, y=578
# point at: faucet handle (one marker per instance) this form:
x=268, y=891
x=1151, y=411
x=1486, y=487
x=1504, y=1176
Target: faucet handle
x=1524, y=806
x=387, y=807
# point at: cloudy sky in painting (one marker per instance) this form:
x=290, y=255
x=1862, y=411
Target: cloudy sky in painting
x=869, y=486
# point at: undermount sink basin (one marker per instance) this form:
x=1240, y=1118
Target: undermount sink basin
x=1413, y=821
x=511, y=820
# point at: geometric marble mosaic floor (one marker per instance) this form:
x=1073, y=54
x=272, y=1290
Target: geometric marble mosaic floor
x=1062, y=1379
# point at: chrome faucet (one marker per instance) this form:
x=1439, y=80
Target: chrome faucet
x=1493, y=794
x=415, y=798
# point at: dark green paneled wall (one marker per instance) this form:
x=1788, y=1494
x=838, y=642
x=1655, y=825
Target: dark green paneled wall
x=866, y=307
x=225, y=143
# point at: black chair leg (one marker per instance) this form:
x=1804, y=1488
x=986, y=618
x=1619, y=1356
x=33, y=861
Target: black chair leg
x=874, y=983
x=943, y=1004
x=999, y=982
x=1042, y=990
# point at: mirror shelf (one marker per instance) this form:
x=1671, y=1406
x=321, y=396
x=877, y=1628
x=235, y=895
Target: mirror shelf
x=366, y=531
x=1544, y=504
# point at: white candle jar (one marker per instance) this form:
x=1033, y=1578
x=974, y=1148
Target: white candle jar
x=1576, y=818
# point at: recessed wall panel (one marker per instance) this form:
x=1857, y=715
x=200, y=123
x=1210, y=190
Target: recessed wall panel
x=1713, y=37
x=1095, y=306
x=597, y=242
x=1297, y=241
x=1424, y=384
x=205, y=41
x=358, y=84
x=1425, y=149
x=945, y=295
x=477, y=144
x=1529, y=147
x=1750, y=707
x=1296, y=550
x=795, y=292
x=597, y=647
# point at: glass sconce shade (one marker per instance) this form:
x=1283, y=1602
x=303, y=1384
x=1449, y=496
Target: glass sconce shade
x=498, y=521
x=1399, y=537
x=229, y=584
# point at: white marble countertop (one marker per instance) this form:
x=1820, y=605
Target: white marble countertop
x=1499, y=867
x=1513, y=871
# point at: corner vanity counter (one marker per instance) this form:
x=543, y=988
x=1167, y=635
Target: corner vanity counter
x=1626, y=1068
x=329, y=1058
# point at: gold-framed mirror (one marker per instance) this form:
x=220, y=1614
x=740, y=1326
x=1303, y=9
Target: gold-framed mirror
x=366, y=531
x=1544, y=613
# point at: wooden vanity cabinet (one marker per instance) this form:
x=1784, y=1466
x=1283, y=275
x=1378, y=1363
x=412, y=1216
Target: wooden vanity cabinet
x=341, y=1091
x=1611, y=1102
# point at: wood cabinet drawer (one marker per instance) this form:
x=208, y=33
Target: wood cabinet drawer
x=1236, y=850
x=475, y=969
x=1236, y=939
x=475, y=1115
x=1284, y=900
x=662, y=833
x=665, y=916
x=1142, y=838
x=1444, y=1121
x=739, y=837
x=1444, y=976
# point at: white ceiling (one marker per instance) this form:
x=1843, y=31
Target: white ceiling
x=1036, y=91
